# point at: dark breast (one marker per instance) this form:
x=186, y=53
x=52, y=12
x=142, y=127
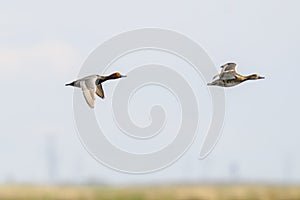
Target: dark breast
x=100, y=80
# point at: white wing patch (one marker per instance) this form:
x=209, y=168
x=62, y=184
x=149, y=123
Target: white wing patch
x=88, y=90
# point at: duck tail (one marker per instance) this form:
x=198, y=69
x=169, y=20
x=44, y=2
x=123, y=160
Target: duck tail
x=70, y=84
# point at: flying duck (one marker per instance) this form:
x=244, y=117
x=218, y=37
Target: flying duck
x=229, y=77
x=92, y=85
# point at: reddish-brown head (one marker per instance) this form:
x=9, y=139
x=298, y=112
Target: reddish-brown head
x=115, y=75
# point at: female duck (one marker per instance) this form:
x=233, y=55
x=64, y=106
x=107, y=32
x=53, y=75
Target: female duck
x=91, y=85
x=229, y=77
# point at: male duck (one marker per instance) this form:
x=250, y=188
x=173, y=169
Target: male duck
x=229, y=77
x=91, y=85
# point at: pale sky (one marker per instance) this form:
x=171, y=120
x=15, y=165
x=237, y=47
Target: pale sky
x=43, y=46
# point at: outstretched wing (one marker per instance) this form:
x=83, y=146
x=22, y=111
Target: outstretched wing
x=99, y=91
x=228, y=67
x=88, y=92
x=227, y=71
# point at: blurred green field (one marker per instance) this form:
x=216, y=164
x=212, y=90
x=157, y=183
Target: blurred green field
x=191, y=192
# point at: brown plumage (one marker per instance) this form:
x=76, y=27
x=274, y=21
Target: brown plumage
x=229, y=77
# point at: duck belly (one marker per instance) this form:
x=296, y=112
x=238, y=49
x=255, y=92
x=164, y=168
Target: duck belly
x=230, y=83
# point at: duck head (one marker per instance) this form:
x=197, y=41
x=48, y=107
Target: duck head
x=254, y=77
x=115, y=75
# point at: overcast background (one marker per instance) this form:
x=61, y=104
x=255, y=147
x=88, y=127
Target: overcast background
x=43, y=46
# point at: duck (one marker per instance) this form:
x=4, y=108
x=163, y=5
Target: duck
x=228, y=76
x=92, y=86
